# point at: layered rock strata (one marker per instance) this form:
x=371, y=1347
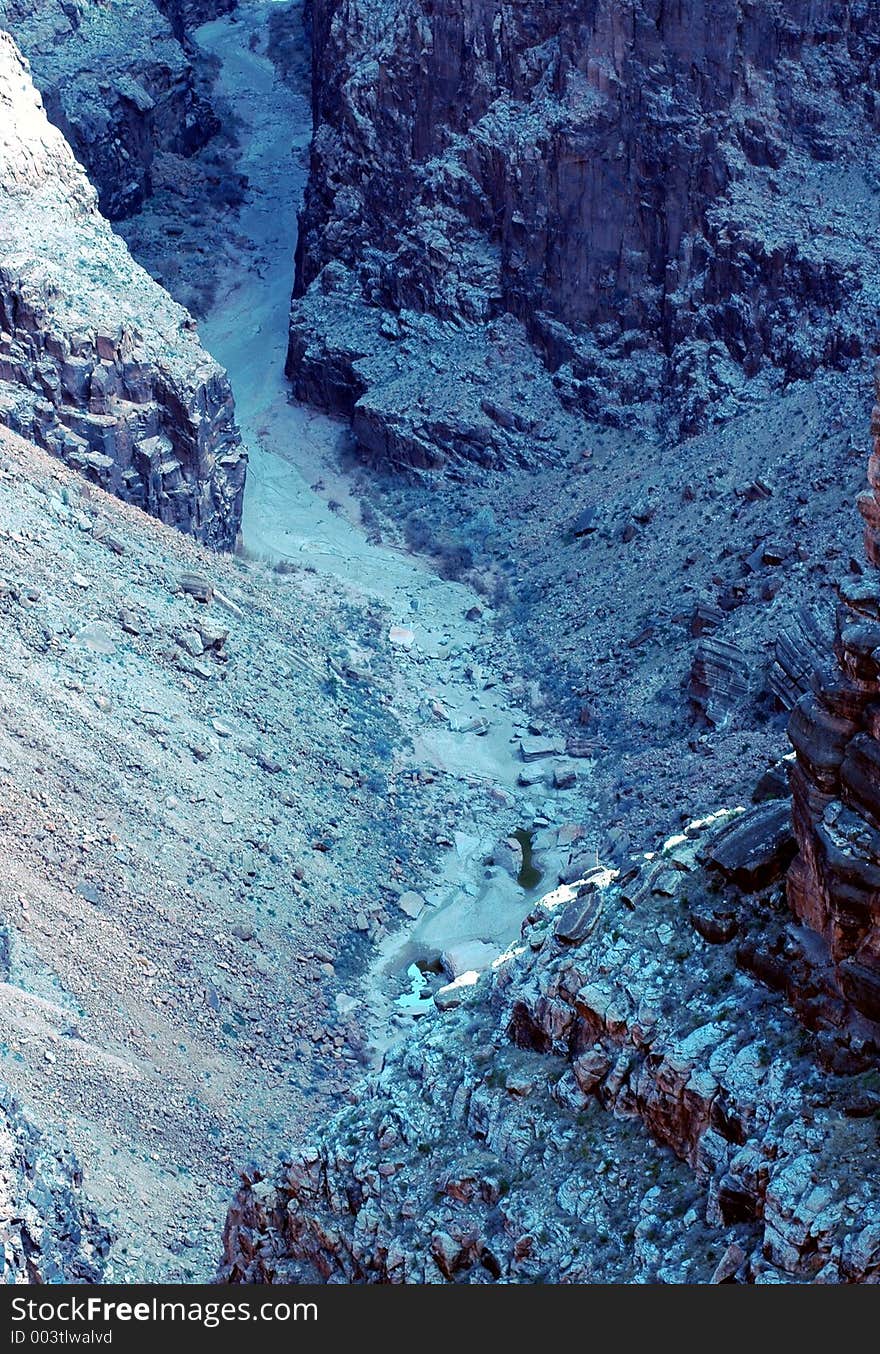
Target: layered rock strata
x=619, y=1102
x=834, y=883
x=97, y=363
x=664, y=204
x=119, y=83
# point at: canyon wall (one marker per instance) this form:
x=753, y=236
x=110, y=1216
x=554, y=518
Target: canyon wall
x=663, y=204
x=118, y=81
x=97, y=363
x=834, y=883
x=619, y=1101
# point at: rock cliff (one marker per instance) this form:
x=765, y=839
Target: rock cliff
x=97, y=364
x=659, y=205
x=49, y=1235
x=117, y=80
x=621, y=1101
x=834, y=883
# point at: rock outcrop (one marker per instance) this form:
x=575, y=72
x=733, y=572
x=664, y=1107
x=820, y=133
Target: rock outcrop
x=47, y=1232
x=618, y=1102
x=97, y=363
x=117, y=80
x=834, y=883
x=517, y=214
x=674, y=1078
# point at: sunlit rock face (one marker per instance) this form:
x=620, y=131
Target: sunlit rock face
x=97, y=363
x=657, y=195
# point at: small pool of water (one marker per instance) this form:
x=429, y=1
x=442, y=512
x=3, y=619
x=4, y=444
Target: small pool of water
x=470, y=919
x=529, y=876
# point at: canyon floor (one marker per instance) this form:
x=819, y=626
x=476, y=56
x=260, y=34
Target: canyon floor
x=600, y=622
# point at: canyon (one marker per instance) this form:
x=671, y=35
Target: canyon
x=439, y=789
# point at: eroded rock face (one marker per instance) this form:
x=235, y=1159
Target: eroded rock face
x=118, y=82
x=619, y=1102
x=97, y=363
x=834, y=883
x=654, y=196
x=49, y=1235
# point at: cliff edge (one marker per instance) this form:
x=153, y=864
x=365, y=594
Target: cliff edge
x=97, y=363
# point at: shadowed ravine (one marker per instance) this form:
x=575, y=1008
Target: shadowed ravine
x=292, y=446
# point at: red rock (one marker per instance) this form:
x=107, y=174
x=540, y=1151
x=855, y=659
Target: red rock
x=860, y=775
x=820, y=739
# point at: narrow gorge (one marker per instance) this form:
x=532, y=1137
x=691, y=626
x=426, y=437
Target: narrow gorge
x=440, y=668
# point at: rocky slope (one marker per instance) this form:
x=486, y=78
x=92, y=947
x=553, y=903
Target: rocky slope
x=621, y=1101
x=48, y=1234
x=97, y=364
x=182, y=820
x=651, y=588
x=218, y=780
x=611, y=210
x=118, y=81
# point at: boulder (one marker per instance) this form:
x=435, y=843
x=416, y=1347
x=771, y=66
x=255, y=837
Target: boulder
x=756, y=848
x=862, y=986
x=508, y=855
x=820, y=739
x=860, y=776
x=468, y=956
x=535, y=748
x=579, y=918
